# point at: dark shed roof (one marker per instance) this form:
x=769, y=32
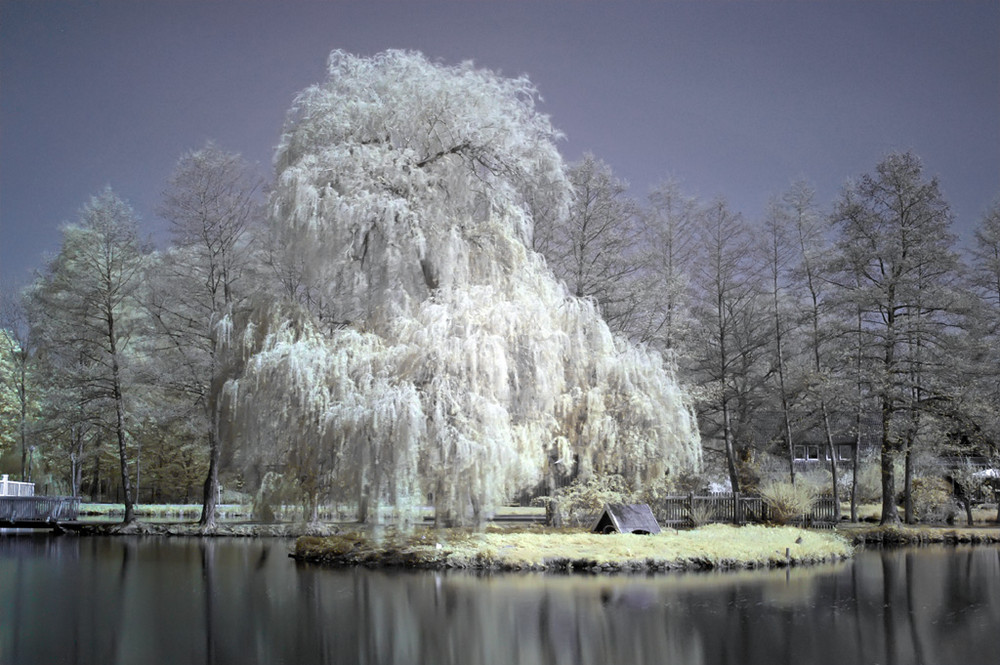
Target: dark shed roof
x=626, y=518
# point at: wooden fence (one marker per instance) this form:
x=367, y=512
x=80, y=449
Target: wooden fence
x=27, y=510
x=692, y=510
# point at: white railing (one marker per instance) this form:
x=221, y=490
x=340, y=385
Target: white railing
x=14, y=488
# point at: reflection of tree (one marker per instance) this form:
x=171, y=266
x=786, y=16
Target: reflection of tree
x=889, y=585
x=206, y=546
x=859, y=640
x=129, y=600
x=102, y=626
x=459, y=619
x=912, y=606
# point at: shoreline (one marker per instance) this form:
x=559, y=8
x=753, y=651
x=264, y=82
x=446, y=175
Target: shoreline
x=193, y=530
x=714, y=547
x=540, y=549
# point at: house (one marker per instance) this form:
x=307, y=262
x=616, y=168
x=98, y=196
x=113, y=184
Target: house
x=626, y=518
x=809, y=444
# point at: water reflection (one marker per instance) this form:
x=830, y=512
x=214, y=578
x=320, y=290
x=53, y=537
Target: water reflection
x=76, y=600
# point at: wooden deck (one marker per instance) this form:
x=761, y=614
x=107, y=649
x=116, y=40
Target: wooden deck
x=37, y=512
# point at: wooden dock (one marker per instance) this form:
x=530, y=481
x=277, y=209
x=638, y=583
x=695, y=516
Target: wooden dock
x=37, y=512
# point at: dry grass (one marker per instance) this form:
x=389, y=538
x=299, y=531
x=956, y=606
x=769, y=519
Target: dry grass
x=871, y=512
x=714, y=546
x=899, y=535
x=789, y=501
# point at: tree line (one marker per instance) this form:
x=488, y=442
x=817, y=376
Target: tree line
x=307, y=335
x=866, y=312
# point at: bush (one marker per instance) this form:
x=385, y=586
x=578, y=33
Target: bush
x=701, y=513
x=932, y=499
x=788, y=501
x=580, y=502
x=869, y=480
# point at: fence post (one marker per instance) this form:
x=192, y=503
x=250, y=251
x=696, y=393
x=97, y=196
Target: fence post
x=737, y=513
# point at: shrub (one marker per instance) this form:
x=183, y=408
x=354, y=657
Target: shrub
x=788, y=501
x=580, y=502
x=932, y=499
x=701, y=513
x=869, y=480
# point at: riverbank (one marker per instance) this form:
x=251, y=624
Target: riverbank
x=192, y=529
x=713, y=547
x=904, y=535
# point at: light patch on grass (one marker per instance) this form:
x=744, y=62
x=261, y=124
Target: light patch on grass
x=713, y=546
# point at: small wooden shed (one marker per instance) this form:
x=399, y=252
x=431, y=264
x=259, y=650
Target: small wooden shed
x=626, y=518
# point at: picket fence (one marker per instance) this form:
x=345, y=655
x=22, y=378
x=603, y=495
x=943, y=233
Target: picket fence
x=735, y=508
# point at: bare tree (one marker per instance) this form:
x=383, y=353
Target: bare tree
x=594, y=248
x=895, y=251
x=670, y=237
x=808, y=276
x=212, y=204
x=731, y=328
x=775, y=244
x=16, y=351
x=84, y=308
x=985, y=278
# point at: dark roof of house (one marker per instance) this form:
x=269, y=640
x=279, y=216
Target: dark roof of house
x=807, y=428
x=626, y=518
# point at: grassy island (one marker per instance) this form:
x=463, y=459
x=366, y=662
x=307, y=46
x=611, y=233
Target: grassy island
x=710, y=547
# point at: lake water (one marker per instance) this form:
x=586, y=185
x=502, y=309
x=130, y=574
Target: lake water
x=158, y=600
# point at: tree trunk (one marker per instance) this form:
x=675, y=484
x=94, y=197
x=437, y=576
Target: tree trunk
x=833, y=462
x=120, y=432
x=858, y=421
x=363, y=504
x=210, y=495
x=123, y=456
x=854, y=468
x=211, y=486
x=890, y=514
x=734, y=476
x=95, y=490
x=553, y=512
x=996, y=497
x=23, y=397
x=781, y=378
x=77, y=460
x=908, y=515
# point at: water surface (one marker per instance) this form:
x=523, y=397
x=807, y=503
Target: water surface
x=184, y=600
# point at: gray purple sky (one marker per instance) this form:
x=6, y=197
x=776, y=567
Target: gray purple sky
x=736, y=99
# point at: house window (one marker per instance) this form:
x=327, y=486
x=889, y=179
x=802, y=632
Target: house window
x=807, y=453
x=845, y=452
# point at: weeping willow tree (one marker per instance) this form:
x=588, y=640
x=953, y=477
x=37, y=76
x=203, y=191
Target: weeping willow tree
x=429, y=353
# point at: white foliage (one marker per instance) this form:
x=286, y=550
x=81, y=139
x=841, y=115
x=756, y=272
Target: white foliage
x=456, y=361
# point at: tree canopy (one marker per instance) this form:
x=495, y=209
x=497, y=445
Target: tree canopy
x=431, y=351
